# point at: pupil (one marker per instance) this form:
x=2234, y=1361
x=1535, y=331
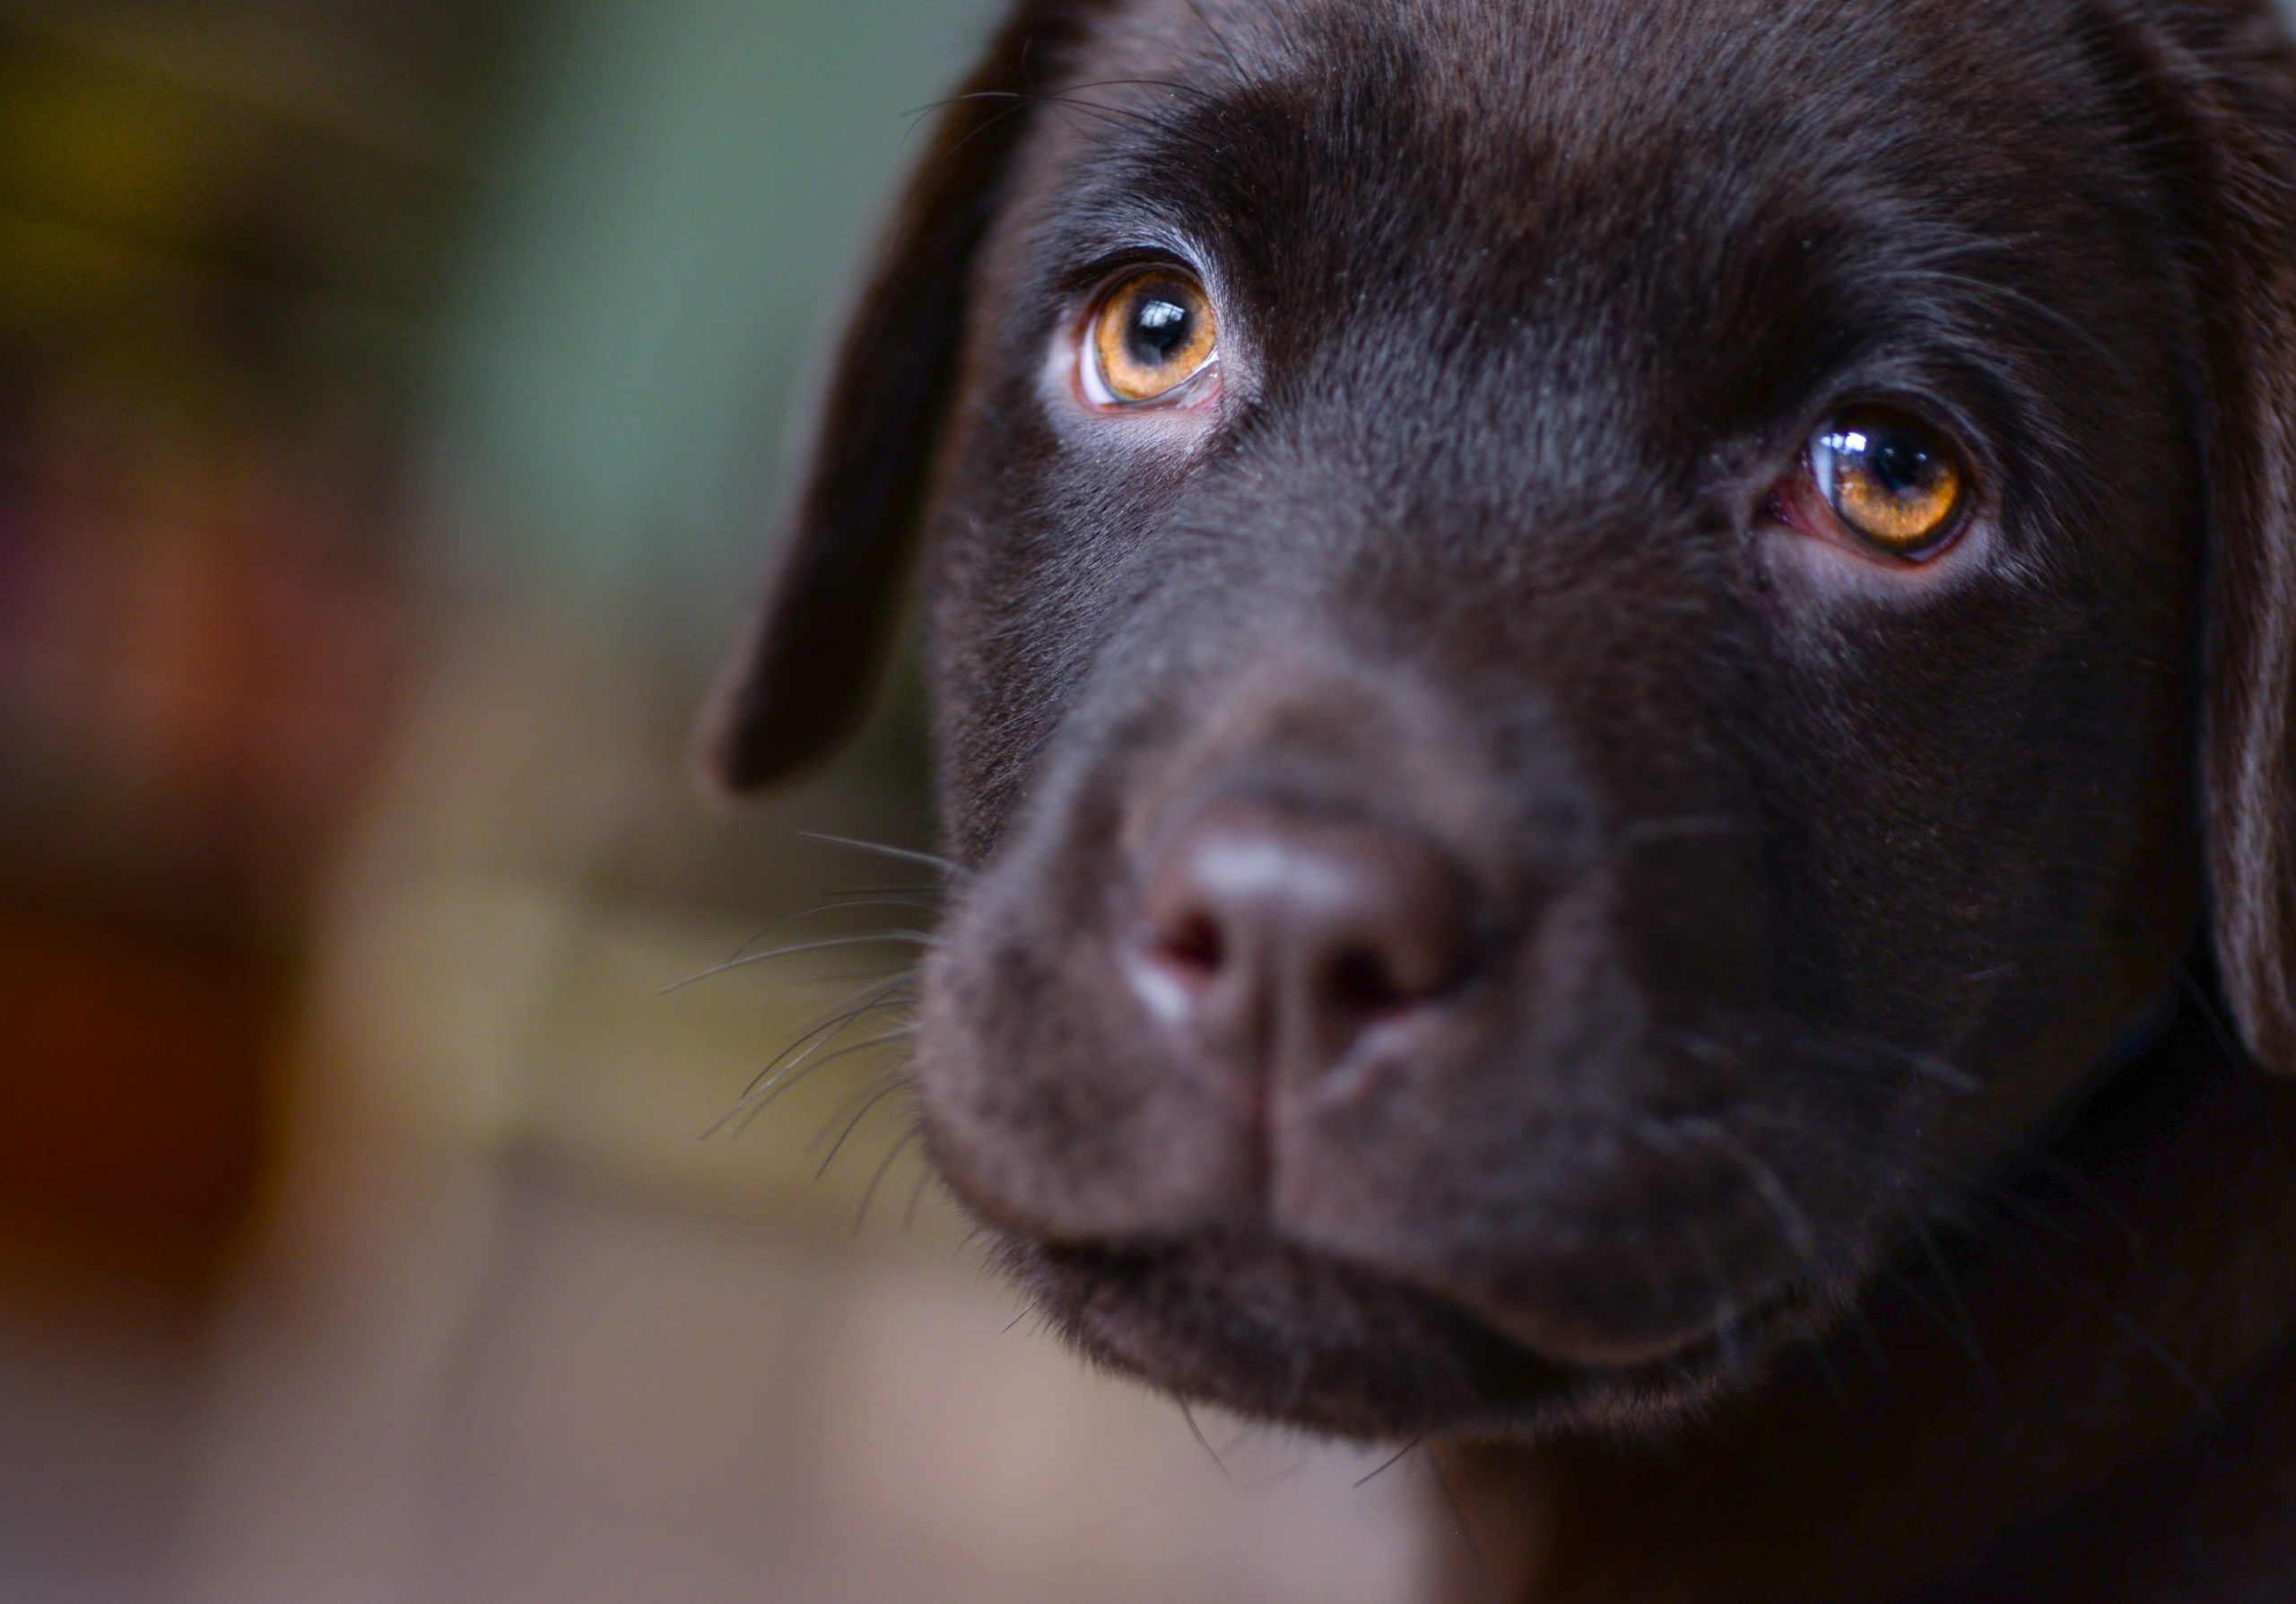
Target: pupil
x=1160, y=330
x=1903, y=464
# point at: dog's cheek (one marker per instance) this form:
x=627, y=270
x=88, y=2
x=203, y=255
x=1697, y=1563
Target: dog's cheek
x=1037, y=560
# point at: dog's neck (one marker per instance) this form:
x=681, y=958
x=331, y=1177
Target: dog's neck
x=2123, y=1295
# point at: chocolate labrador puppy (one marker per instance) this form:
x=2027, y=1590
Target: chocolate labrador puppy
x=1614, y=682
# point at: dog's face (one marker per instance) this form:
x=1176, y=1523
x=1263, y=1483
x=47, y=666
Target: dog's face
x=1567, y=652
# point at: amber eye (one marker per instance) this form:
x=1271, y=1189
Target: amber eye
x=1891, y=479
x=1153, y=333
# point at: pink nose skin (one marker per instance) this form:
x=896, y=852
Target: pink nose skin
x=1276, y=939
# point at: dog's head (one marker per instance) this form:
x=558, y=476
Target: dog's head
x=1581, y=651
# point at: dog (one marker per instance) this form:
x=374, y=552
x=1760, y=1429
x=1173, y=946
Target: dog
x=1613, y=689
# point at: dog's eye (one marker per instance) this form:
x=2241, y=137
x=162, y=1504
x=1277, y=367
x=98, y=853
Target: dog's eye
x=1891, y=480
x=1153, y=333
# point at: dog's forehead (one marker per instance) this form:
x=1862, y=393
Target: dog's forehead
x=1639, y=54
x=1514, y=88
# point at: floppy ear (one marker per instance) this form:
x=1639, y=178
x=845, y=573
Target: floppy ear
x=2241, y=82
x=815, y=645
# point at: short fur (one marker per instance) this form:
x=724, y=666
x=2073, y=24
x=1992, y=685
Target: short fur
x=1852, y=1176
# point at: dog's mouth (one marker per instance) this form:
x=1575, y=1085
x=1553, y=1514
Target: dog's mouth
x=1248, y=1322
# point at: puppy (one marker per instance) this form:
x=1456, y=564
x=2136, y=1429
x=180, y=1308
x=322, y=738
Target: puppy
x=1613, y=679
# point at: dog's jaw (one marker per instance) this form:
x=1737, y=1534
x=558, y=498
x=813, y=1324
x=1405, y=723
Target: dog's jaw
x=1271, y=1332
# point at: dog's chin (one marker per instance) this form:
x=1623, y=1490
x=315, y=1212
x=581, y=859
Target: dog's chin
x=1274, y=1332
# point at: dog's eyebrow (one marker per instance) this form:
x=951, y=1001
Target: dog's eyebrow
x=1162, y=181
x=1143, y=136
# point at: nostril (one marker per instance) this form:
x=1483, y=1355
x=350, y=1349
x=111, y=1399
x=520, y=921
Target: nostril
x=1359, y=982
x=1193, y=946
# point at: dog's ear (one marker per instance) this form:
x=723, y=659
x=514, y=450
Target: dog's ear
x=2239, y=79
x=815, y=645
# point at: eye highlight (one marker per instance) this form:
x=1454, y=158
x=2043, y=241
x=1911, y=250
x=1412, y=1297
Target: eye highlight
x=1890, y=480
x=1151, y=336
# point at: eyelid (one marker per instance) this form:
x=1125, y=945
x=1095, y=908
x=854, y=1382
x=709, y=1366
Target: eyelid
x=1090, y=272
x=1177, y=398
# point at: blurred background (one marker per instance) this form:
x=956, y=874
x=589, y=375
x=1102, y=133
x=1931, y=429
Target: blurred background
x=390, y=394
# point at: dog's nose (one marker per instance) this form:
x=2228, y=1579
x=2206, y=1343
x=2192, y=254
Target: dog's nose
x=1278, y=939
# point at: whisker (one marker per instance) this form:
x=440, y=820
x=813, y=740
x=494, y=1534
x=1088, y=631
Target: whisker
x=929, y=896
x=1842, y=1045
x=2018, y=301
x=822, y=1035
x=1986, y=977
x=887, y=994
x=870, y=991
x=887, y=1040
x=1959, y=1185
x=1791, y=1217
x=930, y=107
x=835, y=903
x=1729, y=1341
x=757, y=1100
x=916, y=1197
x=1997, y=1198
x=1219, y=38
x=1959, y=1323
x=900, y=973
x=1020, y=103
x=905, y=854
x=846, y=1107
x=873, y=938
x=1170, y=85
x=2143, y=1339
x=890, y=1084
x=1390, y=1463
x=1466, y=1530
x=900, y=1145
x=2073, y=1185
x=1201, y=1441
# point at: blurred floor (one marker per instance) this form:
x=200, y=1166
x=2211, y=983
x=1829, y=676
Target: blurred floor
x=99, y=1397
x=602, y=1398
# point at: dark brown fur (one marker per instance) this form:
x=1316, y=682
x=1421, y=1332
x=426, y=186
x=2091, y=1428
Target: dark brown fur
x=1806, y=1200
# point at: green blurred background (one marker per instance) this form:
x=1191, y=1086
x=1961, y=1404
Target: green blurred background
x=390, y=400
